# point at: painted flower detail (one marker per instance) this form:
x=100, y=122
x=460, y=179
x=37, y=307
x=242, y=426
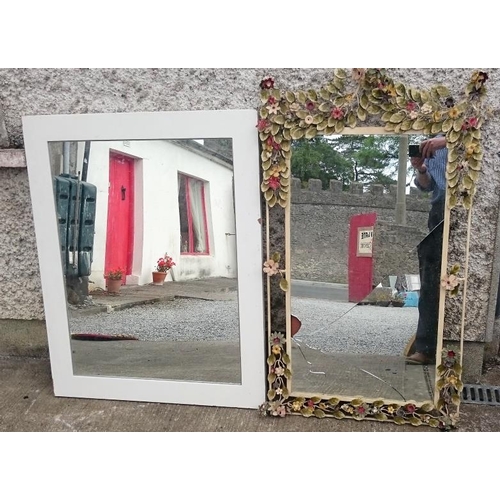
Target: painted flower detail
x=452, y=379
x=262, y=125
x=271, y=100
x=391, y=409
x=271, y=143
x=273, y=108
x=469, y=151
x=277, y=409
x=296, y=405
x=450, y=102
x=274, y=183
x=411, y=106
x=450, y=282
x=310, y=106
x=426, y=109
x=279, y=371
x=279, y=391
x=277, y=339
x=276, y=349
x=337, y=113
x=453, y=113
x=480, y=77
x=358, y=74
x=295, y=106
x=391, y=90
x=361, y=410
x=310, y=403
x=267, y=83
x=271, y=268
x=281, y=411
x=348, y=409
x=410, y=408
x=470, y=123
x=308, y=119
x=451, y=354
x=413, y=115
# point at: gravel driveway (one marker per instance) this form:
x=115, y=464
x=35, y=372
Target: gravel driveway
x=326, y=325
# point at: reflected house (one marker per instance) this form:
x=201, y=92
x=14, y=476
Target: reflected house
x=160, y=196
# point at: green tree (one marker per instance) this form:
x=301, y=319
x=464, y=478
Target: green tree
x=370, y=159
x=317, y=159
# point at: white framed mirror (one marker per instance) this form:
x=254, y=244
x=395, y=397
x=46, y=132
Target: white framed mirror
x=179, y=186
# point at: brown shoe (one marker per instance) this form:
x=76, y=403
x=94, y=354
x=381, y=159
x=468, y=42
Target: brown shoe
x=419, y=358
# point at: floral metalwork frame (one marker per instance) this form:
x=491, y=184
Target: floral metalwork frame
x=364, y=98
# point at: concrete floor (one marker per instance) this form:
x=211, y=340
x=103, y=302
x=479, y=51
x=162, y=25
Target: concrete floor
x=28, y=404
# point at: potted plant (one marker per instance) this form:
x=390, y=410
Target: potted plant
x=114, y=280
x=163, y=266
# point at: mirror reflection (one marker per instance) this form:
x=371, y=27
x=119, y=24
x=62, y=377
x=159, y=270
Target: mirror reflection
x=366, y=238
x=148, y=248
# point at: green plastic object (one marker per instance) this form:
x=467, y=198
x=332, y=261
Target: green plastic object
x=76, y=209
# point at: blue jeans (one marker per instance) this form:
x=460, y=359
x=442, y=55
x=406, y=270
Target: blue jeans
x=429, y=256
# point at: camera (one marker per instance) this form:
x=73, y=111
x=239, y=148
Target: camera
x=414, y=151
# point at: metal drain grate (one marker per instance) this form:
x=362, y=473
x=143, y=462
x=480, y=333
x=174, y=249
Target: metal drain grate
x=481, y=395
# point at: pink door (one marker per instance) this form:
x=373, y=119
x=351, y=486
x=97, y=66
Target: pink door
x=120, y=229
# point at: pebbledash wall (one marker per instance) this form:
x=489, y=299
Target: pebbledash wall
x=69, y=90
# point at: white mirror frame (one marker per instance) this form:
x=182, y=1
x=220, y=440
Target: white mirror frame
x=238, y=125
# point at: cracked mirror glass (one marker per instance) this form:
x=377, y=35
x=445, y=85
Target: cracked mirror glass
x=365, y=250
x=148, y=248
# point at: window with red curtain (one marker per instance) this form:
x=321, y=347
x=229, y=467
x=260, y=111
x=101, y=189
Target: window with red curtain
x=193, y=216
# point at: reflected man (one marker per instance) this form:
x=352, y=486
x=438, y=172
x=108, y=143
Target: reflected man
x=430, y=168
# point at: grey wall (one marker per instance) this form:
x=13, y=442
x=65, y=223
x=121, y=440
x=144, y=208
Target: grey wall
x=53, y=91
x=320, y=230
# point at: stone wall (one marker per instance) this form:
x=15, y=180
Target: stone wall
x=320, y=228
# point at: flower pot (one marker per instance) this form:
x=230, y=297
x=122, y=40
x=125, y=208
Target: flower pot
x=158, y=278
x=113, y=286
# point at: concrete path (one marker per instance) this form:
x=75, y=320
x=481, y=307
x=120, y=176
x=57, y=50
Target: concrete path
x=27, y=404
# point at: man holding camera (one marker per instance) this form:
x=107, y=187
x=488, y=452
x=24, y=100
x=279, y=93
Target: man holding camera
x=430, y=169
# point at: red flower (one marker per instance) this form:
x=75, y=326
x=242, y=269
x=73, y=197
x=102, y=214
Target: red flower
x=337, y=113
x=271, y=142
x=360, y=410
x=411, y=408
x=274, y=183
x=473, y=121
x=451, y=354
x=470, y=123
x=310, y=403
x=262, y=125
x=267, y=83
x=310, y=106
x=411, y=106
x=271, y=100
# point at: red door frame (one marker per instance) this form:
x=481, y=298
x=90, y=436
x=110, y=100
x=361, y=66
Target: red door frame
x=116, y=198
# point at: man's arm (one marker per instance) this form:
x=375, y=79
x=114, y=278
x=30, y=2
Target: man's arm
x=423, y=177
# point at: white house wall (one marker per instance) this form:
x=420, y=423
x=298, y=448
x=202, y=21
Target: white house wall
x=156, y=173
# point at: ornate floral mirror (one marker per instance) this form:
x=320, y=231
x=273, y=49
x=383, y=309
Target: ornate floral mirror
x=309, y=373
